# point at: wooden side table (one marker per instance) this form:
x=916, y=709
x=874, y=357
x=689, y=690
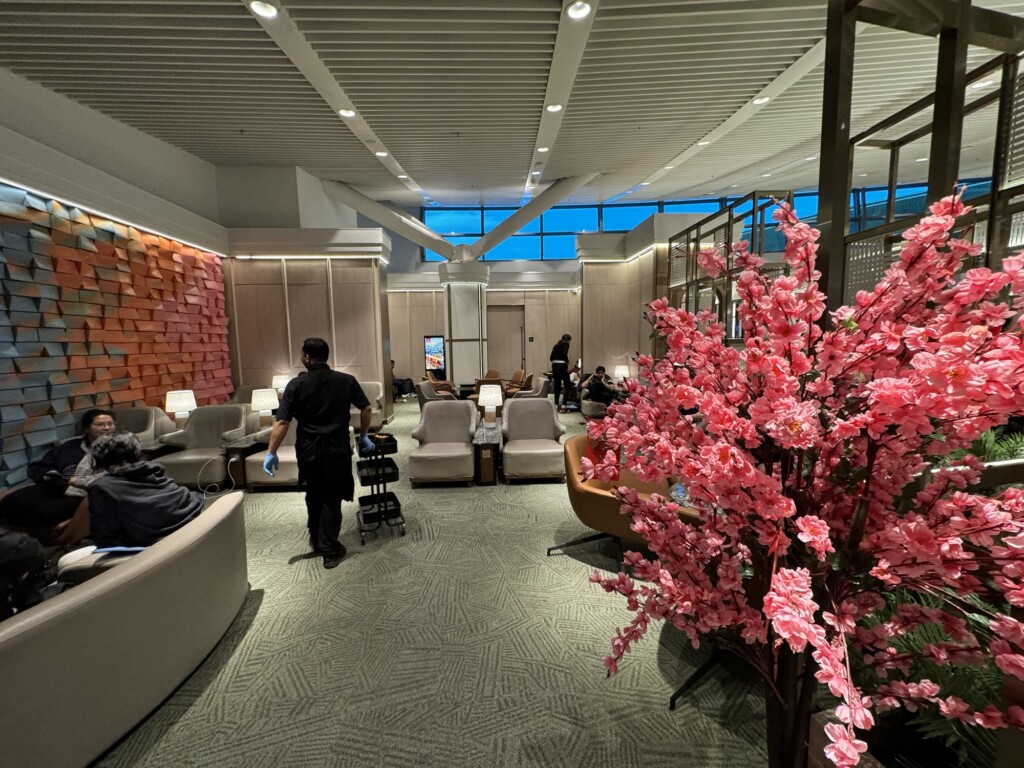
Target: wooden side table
x=487, y=448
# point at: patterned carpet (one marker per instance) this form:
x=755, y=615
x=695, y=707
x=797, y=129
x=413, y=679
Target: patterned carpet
x=460, y=644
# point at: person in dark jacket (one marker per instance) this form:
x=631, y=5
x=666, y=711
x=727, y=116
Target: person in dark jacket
x=132, y=503
x=54, y=498
x=561, y=382
x=22, y=567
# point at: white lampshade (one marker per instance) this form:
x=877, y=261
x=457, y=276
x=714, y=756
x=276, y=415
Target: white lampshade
x=621, y=371
x=180, y=401
x=280, y=381
x=490, y=394
x=264, y=399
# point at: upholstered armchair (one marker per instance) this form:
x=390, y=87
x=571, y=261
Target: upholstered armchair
x=374, y=391
x=439, y=385
x=146, y=422
x=287, y=472
x=532, y=432
x=516, y=387
x=426, y=393
x=202, y=460
x=541, y=388
x=596, y=506
x=445, y=435
x=515, y=382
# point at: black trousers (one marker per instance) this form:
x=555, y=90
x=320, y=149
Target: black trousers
x=325, y=470
x=561, y=382
x=38, y=506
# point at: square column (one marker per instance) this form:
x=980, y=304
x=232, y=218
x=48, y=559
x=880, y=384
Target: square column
x=465, y=320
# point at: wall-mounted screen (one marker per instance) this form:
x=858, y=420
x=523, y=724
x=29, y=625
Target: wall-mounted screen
x=433, y=355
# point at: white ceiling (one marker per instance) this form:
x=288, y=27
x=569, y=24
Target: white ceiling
x=455, y=90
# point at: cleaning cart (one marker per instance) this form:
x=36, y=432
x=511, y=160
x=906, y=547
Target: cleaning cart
x=376, y=470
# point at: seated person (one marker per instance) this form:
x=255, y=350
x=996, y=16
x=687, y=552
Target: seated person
x=602, y=388
x=54, y=498
x=132, y=503
x=23, y=572
x=401, y=387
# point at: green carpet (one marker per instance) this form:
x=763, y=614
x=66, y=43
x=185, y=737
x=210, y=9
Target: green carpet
x=460, y=644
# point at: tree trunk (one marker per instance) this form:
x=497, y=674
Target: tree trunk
x=788, y=709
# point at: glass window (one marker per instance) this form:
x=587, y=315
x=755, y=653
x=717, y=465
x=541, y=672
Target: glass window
x=518, y=247
x=570, y=220
x=622, y=218
x=806, y=207
x=453, y=221
x=709, y=206
x=494, y=216
x=560, y=246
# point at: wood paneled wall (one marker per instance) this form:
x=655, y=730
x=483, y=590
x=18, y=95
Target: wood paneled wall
x=97, y=313
x=280, y=302
x=548, y=314
x=613, y=326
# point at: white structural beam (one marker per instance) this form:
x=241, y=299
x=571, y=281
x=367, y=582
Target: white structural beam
x=551, y=196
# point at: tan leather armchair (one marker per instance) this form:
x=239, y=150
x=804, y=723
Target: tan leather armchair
x=596, y=506
x=532, y=432
x=445, y=435
x=439, y=385
x=202, y=460
x=516, y=386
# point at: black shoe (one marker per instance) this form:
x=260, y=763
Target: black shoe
x=332, y=561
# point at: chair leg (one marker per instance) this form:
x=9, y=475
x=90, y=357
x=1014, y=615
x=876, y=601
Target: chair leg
x=581, y=540
x=699, y=674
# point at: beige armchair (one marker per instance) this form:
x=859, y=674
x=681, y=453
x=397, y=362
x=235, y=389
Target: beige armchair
x=426, y=393
x=445, y=435
x=146, y=422
x=202, y=460
x=288, y=471
x=374, y=392
x=532, y=432
x=541, y=388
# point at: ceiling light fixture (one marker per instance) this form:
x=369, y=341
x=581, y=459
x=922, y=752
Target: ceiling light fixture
x=703, y=143
x=577, y=11
x=669, y=167
x=982, y=84
x=347, y=112
x=381, y=154
x=761, y=100
x=765, y=175
x=542, y=149
x=811, y=157
x=553, y=107
x=263, y=10
x=535, y=173
x=921, y=160
x=862, y=175
x=402, y=176
x=645, y=183
x=733, y=186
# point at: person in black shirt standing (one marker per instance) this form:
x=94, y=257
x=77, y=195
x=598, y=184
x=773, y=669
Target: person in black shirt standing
x=320, y=399
x=559, y=358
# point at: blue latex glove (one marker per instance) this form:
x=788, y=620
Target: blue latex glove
x=365, y=445
x=271, y=463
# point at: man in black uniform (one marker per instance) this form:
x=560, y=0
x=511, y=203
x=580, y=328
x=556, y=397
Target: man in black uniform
x=559, y=358
x=320, y=399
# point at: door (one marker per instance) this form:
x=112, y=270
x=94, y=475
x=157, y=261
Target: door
x=506, y=345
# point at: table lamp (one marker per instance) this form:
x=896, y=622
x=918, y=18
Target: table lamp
x=621, y=372
x=490, y=399
x=264, y=401
x=180, y=402
x=280, y=381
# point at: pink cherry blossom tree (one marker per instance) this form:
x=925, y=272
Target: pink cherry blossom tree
x=811, y=461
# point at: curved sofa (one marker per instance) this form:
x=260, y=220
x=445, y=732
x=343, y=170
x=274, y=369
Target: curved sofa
x=80, y=670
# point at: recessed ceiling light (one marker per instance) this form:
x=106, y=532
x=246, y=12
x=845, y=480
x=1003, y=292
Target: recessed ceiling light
x=765, y=175
x=402, y=176
x=669, y=167
x=921, y=160
x=703, y=143
x=381, y=154
x=983, y=84
x=535, y=173
x=553, y=107
x=629, y=191
x=761, y=100
x=734, y=185
x=542, y=149
x=644, y=183
x=347, y=112
x=263, y=10
x=862, y=175
x=578, y=11
x=811, y=157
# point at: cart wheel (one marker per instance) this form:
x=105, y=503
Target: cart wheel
x=362, y=539
x=402, y=530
